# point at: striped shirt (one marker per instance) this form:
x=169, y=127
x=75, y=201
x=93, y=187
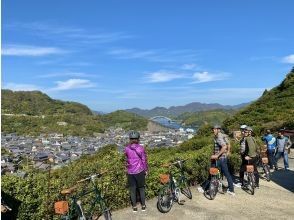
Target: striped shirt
x=219, y=141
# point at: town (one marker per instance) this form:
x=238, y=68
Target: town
x=21, y=153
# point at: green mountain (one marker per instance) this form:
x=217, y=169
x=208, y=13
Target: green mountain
x=197, y=119
x=38, y=103
x=273, y=110
x=32, y=113
x=176, y=111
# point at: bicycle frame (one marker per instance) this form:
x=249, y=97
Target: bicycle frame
x=76, y=208
x=215, y=182
x=171, y=190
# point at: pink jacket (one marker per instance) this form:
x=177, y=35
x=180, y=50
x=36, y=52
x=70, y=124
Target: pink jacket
x=136, y=158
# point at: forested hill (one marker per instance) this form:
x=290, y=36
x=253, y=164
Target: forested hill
x=32, y=113
x=273, y=110
x=38, y=103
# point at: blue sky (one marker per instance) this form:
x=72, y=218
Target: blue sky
x=121, y=54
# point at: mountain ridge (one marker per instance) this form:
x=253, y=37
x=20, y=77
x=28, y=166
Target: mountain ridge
x=175, y=111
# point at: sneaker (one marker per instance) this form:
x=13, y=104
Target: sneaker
x=231, y=193
x=135, y=209
x=143, y=208
x=238, y=185
x=200, y=189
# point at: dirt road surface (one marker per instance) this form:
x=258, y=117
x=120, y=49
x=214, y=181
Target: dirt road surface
x=273, y=200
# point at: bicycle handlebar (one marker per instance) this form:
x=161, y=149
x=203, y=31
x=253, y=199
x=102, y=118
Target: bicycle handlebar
x=92, y=177
x=174, y=163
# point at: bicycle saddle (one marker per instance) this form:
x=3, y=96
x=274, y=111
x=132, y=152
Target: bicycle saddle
x=68, y=191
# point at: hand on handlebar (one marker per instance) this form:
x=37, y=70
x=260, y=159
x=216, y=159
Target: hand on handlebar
x=247, y=158
x=214, y=157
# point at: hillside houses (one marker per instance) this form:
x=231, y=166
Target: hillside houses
x=35, y=152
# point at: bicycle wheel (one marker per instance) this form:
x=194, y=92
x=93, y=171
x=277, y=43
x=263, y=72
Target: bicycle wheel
x=266, y=172
x=165, y=199
x=107, y=215
x=212, y=190
x=185, y=189
x=251, y=183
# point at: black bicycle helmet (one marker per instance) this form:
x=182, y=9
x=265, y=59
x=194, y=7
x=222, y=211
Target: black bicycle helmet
x=134, y=135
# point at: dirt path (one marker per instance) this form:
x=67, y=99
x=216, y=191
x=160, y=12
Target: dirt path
x=274, y=200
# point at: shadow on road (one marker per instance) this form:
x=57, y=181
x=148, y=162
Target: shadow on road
x=284, y=178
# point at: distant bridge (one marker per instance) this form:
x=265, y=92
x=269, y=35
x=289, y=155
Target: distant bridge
x=159, y=117
x=162, y=123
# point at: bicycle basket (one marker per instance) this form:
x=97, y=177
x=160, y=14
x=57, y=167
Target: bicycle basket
x=213, y=171
x=249, y=168
x=61, y=207
x=164, y=178
x=264, y=160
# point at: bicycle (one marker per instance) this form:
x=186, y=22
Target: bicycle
x=173, y=187
x=74, y=210
x=263, y=162
x=249, y=176
x=215, y=183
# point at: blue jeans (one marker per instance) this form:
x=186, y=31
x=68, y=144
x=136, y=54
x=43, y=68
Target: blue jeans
x=223, y=162
x=271, y=158
x=285, y=156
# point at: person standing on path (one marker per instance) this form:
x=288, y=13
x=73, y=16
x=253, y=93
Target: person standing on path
x=270, y=144
x=137, y=169
x=220, y=154
x=283, y=144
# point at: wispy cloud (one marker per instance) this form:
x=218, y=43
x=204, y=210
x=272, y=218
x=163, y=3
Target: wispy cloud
x=64, y=33
x=21, y=87
x=202, y=77
x=25, y=50
x=66, y=74
x=73, y=84
x=162, y=76
x=260, y=58
x=288, y=59
x=190, y=66
x=155, y=55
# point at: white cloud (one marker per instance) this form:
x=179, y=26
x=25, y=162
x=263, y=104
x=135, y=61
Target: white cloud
x=188, y=66
x=21, y=87
x=155, y=55
x=162, y=76
x=67, y=33
x=70, y=74
x=288, y=59
x=201, y=77
x=73, y=84
x=25, y=50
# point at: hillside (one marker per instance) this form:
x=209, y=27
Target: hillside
x=273, y=110
x=196, y=119
x=175, y=111
x=38, y=103
x=32, y=113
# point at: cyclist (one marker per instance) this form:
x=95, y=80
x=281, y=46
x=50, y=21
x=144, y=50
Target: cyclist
x=137, y=168
x=242, y=154
x=220, y=153
x=270, y=144
x=283, y=144
x=250, y=154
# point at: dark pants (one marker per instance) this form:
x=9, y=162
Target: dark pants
x=271, y=158
x=253, y=162
x=242, y=168
x=223, y=162
x=137, y=182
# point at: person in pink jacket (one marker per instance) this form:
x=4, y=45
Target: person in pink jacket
x=137, y=169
